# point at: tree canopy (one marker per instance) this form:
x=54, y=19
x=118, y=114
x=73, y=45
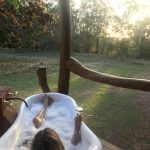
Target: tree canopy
x=24, y=24
x=105, y=27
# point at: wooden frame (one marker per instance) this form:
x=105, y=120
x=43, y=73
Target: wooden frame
x=68, y=64
x=64, y=73
x=4, y=92
x=138, y=84
x=42, y=78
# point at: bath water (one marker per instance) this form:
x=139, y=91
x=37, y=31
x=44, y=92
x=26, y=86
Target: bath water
x=58, y=117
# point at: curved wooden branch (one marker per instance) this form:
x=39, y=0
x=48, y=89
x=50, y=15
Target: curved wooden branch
x=41, y=73
x=138, y=84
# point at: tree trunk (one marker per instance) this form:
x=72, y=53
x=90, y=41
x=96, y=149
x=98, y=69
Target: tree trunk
x=97, y=45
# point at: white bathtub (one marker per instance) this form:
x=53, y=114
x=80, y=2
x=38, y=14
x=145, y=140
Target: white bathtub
x=59, y=116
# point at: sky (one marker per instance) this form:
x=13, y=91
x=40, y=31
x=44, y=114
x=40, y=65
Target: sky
x=77, y=3
x=119, y=8
x=115, y=3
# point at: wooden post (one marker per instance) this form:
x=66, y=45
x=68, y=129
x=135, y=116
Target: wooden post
x=4, y=92
x=1, y=116
x=64, y=74
x=41, y=73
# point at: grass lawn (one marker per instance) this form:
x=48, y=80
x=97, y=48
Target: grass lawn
x=115, y=114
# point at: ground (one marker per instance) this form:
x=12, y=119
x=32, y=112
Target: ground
x=117, y=115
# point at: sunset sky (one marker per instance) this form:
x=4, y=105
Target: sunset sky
x=119, y=8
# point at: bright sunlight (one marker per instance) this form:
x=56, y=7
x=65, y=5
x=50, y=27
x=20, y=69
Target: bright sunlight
x=119, y=8
x=77, y=3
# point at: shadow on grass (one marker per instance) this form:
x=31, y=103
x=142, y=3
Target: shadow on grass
x=108, y=111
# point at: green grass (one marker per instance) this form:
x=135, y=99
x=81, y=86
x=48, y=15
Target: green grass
x=108, y=111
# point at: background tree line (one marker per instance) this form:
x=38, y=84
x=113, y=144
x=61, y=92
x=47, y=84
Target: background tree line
x=96, y=28
x=26, y=25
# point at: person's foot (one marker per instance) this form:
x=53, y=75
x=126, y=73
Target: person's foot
x=76, y=138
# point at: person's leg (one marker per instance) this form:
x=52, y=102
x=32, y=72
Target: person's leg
x=76, y=137
x=38, y=119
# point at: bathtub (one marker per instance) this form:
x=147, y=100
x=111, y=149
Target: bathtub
x=59, y=116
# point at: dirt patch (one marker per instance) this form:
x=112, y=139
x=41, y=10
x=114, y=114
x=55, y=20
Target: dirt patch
x=142, y=136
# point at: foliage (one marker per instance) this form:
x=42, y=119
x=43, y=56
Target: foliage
x=22, y=26
x=96, y=28
x=90, y=24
